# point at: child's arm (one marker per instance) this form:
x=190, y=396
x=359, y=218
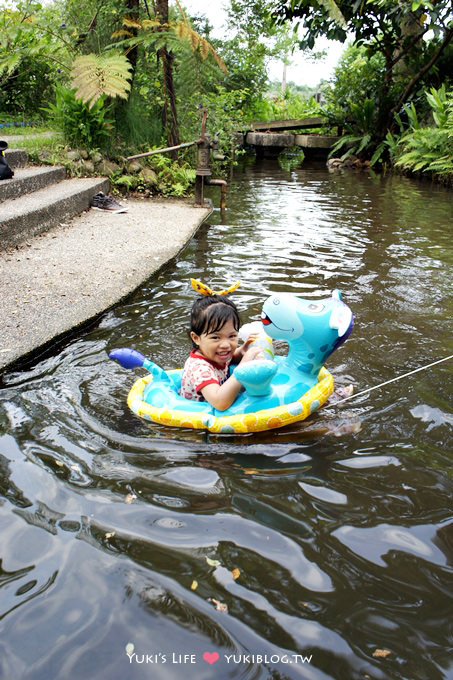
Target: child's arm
x=222, y=396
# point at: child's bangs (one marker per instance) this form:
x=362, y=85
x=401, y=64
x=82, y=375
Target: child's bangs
x=218, y=315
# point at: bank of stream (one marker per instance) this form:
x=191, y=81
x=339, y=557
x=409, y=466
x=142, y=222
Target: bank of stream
x=322, y=550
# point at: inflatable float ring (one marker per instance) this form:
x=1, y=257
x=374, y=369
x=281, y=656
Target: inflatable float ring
x=298, y=384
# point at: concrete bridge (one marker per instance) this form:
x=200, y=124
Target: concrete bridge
x=270, y=138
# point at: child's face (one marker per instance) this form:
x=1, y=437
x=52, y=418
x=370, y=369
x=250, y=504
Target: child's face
x=218, y=346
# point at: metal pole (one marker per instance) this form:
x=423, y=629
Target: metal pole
x=168, y=148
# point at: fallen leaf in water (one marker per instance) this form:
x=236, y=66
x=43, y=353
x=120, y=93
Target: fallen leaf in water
x=212, y=563
x=59, y=463
x=220, y=606
x=381, y=653
x=110, y=534
x=130, y=497
x=194, y=585
x=236, y=573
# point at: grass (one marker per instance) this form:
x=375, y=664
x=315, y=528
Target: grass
x=52, y=142
x=22, y=131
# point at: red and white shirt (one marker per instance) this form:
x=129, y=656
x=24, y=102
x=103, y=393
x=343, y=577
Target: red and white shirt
x=199, y=372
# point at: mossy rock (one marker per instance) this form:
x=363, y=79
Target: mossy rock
x=134, y=167
x=73, y=155
x=107, y=167
x=149, y=176
x=88, y=167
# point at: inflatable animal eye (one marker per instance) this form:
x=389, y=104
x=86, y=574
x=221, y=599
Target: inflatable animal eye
x=316, y=307
x=276, y=301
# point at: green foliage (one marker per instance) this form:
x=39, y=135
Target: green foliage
x=387, y=148
x=31, y=57
x=138, y=124
x=355, y=102
x=95, y=76
x=377, y=23
x=81, y=125
x=357, y=78
x=430, y=149
x=287, y=106
x=173, y=178
x=227, y=115
x=392, y=32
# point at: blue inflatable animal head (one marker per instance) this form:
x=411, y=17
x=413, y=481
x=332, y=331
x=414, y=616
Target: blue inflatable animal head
x=312, y=328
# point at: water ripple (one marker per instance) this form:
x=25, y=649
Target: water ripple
x=331, y=538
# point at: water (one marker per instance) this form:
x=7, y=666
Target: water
x=122, y=536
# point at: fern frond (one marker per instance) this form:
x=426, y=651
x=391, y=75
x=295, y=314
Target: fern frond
x=152, y=23
x=184, y=31
x=9, y=62
x=121, y=33
x=204, y=48
x=131, y=23
x=94, y=76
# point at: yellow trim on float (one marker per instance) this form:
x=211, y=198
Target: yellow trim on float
x=260, y=421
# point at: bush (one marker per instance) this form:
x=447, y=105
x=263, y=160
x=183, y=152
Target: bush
x=287, y=106
x=430, y=149
x=81, y=126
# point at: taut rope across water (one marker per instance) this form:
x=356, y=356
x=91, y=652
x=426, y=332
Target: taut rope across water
x=387, y=382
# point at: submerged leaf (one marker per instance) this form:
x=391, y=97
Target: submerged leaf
x=212, y=563
x=220, y=606
x=381, y=653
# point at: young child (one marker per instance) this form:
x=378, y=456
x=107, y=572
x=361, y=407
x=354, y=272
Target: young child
x=214, y=326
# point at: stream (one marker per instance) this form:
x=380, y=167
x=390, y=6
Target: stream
x=323, y=550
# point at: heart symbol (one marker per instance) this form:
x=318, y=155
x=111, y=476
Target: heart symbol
x=211, y=657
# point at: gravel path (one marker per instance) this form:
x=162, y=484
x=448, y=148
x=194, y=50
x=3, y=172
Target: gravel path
x=60, y=279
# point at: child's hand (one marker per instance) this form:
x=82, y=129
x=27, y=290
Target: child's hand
x=248, y=342
x=240, y=351
x=253, y=353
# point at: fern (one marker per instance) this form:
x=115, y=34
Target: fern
x=186, y=32
x=430, y=149
x=97, y=75
x=162, y=35
x=9, y=61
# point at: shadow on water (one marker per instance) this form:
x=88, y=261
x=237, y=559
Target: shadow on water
x=323, y=550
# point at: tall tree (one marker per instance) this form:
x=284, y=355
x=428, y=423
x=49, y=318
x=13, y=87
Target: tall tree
x=393, y=29
x=170, y=115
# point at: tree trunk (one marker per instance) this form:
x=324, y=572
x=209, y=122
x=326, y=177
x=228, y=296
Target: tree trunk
x=169, y=114
x=133, y=11
x=284, y=78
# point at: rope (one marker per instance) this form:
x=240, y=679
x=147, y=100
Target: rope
x=387, y=382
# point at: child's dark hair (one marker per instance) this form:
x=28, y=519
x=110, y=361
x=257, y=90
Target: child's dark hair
x=210, y=313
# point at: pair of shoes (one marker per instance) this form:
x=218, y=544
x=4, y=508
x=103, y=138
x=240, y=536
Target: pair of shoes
x=107, y=203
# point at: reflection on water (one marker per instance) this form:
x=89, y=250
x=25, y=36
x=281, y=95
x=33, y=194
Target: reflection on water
x=323, y=550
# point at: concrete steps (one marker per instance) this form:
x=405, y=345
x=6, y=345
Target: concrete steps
x=39, y=198
x=16, y=158
x=30, y=179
